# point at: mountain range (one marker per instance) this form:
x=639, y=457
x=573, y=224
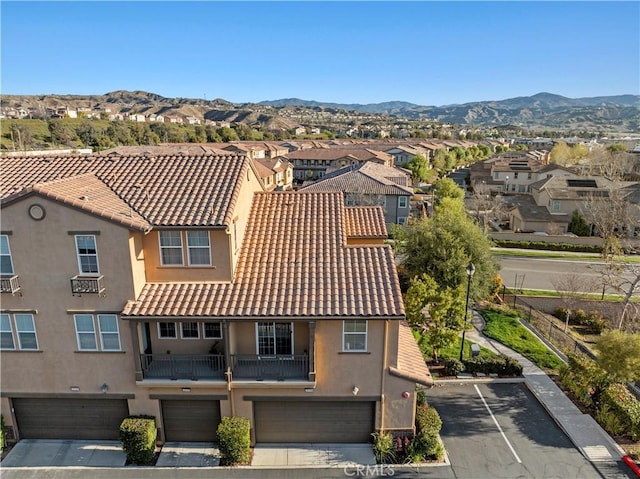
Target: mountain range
x=619, y=113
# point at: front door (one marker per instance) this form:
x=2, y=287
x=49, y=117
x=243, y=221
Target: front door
x=274, y=339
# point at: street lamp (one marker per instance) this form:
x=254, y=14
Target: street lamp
x=470, y=270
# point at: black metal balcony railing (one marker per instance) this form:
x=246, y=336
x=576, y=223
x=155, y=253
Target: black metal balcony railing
x=9, y=284
x=279, y=368
x=182, y=366
x=87, y=284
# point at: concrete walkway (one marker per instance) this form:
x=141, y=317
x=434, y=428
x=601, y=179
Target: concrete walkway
x=321, y=455
x=585, y=433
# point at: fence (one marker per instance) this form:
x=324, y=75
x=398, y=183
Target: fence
x=548, y=327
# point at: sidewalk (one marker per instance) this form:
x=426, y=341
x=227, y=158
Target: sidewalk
x=585, y=433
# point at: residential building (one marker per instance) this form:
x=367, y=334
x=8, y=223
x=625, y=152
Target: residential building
x=173, y=285
x=370, y=183
x=276, y=173
x=314, y=163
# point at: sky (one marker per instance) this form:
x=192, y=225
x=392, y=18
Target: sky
x=423, y=52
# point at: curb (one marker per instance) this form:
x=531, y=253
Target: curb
x=632, y=464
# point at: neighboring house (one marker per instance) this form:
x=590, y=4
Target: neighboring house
x=192, y=120
x=371, y=184
x=402, y=154
x=172, y=285
x=313, y=164
x=276, y=173
x=137, y=117
x=553, y=201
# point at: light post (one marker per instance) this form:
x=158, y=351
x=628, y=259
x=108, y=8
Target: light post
x=506, y=184
x=470, y=270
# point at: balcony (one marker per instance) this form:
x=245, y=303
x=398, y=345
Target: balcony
x=182, y=366
x=9, y=284
x=278, y=368
x=87, y=285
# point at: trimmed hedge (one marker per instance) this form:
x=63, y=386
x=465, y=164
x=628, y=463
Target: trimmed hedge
x=542, y=245
x=234, y=441
x=428, y=420
x=501, y=365
x=138, y=439
x=453, y=367
x=625, y=406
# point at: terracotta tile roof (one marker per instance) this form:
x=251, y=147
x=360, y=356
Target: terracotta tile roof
x=365, y=222
x=368, y=178
x=167, y=190
x=411, y=364
x=294, y=262
x=88, y=193
x=360, y=154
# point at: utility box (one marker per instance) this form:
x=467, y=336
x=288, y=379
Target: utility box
x=475, y=350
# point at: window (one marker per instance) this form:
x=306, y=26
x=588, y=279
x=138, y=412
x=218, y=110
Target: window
x=515, y=175
x=212, y=330
x=6, y=263
x=6, y=333
x=25, y=332
x=496, y=175
x=528, y=176
x=198, y=246
x=189, y=330
x=87, y=254
x=354, y=335
x=402, y=201
x=402, y=220
x=109, y=335
x=170, y=248
x=167, y=330
x=555, y=204
x=274, y=339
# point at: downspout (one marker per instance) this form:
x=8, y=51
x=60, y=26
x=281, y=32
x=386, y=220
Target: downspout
x=384, y=372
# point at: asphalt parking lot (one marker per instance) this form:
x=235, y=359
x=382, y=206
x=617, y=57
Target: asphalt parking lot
x=500, y=430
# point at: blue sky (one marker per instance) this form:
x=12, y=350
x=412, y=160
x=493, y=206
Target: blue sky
x=424, y=52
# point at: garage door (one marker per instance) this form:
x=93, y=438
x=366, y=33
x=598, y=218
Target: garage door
x=40, y=418
x=190, y=421
x=314, y=421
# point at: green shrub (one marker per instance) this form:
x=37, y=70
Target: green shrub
x=625, y=406
x=234, y=441
x=424, y=446
x=421, y=397
x=138, y=439
x=541, y=245
x=452, y=367
x=501, y=365
x=428, y=420
x=384, y=448
x=609, y=420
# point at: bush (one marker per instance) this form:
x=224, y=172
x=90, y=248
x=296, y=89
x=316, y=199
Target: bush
x=452, y=367
x=625, y=406
x=541, y=245
x=234, y=441
x=138, y=439
x=428, y=421
x=424, y=446
x=501, y=365
x=421, y=397
x=384, y=448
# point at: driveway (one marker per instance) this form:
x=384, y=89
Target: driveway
x=54, y=452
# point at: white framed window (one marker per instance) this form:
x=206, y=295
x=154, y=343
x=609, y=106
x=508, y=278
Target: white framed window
x=109, y=333
x=402, y=220
x=18, y=331
x=402, y=201
x=274, y=339
x=189, y=330
x=6, y=332
x=212, y=330
x=555, y=204
x=199, y=249
x=6, y=262
x=26, y=331
x=170, y=248
x=167, y=330
x=87, y=254
x=85, y=332
x=354, y=335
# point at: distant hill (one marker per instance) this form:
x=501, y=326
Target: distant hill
x=544, y=110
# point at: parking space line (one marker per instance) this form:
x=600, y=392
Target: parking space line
x=498, y=425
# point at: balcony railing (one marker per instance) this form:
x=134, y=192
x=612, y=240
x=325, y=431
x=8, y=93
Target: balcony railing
x=279, y=368
x=87, y=284
x=182, y=366
x=9, y=284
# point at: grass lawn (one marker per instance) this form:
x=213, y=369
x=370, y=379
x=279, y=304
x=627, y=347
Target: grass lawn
x=571, y=255
x=504, y=327
x=453, y=351
x=556, y=294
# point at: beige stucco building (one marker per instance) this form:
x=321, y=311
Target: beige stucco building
x=176, y=286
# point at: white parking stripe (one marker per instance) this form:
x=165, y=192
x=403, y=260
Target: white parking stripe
x=496, y=422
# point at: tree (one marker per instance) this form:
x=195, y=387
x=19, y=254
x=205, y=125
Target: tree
x=447, y=188
x=578, y=225
x=437, y=312
x=419, y=167
x=442, y=246
x=571, y=287
x=619, y=354
x=561, y=153
x=60, y=133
